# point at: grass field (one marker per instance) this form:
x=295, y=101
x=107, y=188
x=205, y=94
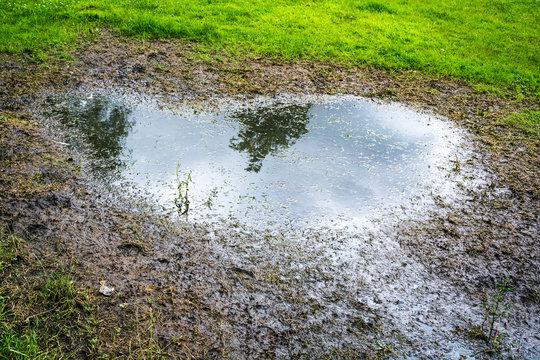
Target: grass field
x=484, y=41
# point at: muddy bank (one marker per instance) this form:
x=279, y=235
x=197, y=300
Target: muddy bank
x=211, y=301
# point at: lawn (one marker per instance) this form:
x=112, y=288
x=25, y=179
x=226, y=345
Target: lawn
x=489, y=42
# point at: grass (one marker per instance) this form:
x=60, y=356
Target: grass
x=38, y=309
x=491, y=42
x=528, y=122
x=44, y=314
x=496, y=311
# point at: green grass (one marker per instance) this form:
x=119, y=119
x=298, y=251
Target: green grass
x=45, y=315
x=39, y=308
x=528, y=122
x=485, y=41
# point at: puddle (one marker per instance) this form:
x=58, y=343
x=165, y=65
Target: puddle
x=310, y=161
x=327, y=177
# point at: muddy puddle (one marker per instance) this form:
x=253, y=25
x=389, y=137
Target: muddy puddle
x=312, y=161
x=302, y=194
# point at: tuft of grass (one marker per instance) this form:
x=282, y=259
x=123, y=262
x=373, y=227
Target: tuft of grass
x=492, y=42
x=44, y=314
x=10, y=252
x=496, y=311
x=20, y=345
x=149, y=349
x=528, y=122
x=377, y=7
x=40, y=316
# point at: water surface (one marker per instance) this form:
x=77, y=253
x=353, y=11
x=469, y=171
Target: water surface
x=305, y=161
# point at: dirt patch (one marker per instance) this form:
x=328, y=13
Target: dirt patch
x=208, y=309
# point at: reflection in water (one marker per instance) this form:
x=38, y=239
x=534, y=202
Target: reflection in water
x=333, y=160
x=267, y=130
x=103, y=126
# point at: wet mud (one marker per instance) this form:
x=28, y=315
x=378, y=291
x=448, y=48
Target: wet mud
x=407, y=287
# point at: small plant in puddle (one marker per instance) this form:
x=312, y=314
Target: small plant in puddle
x=182, y=200
x=212, y=195
x=496, y=310
x=457, y=166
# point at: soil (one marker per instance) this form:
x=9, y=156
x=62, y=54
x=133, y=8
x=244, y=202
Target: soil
x=167, y=275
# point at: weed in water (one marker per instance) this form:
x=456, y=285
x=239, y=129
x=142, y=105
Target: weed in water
x=209, y=202
x=182, y=200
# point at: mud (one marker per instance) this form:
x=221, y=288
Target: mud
x=214, y=295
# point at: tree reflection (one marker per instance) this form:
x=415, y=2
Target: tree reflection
x=267, y=130
x=103, y=126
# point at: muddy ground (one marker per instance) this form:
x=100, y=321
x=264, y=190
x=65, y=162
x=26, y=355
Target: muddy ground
x=203, y=305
